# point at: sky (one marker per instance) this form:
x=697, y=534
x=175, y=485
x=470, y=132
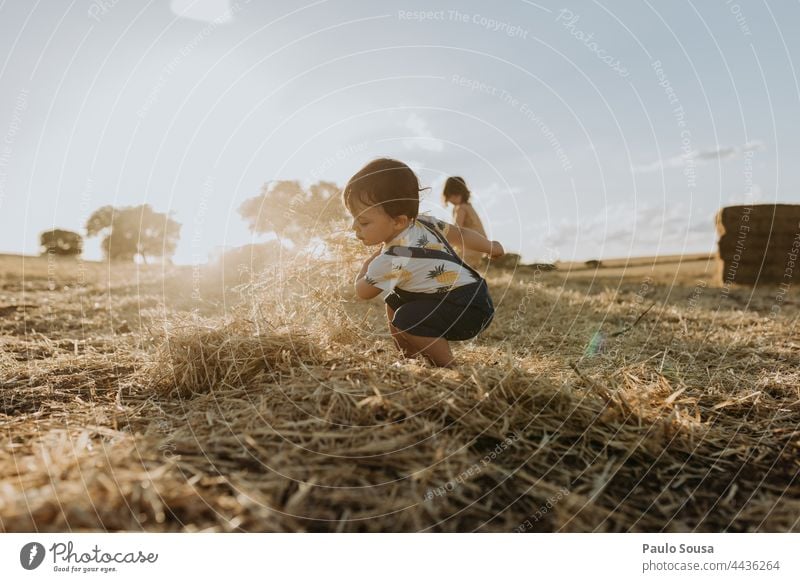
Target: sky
x=585, y=130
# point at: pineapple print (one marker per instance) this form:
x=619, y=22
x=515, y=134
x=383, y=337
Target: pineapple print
x=444, y=277
x=399, y=274
x=426, y=244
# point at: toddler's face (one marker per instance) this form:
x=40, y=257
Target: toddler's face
x=374, y=226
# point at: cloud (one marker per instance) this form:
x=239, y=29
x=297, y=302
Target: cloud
x=496, y=195
x=621, y=231
x=703, y=156
x=423, y=137
x=217, y=11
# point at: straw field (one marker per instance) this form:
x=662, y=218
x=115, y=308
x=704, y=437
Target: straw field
x=646, y=398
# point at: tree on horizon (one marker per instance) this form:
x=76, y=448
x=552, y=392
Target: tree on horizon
x=293, y=212
x=134, y=231
x=65, y=243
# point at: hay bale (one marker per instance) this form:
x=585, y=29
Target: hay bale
x=758, y=243
x=775, y=243
x=759, y=216
x=752, y=274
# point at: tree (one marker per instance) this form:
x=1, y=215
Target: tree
x=61, y=242
x=290, y=211
x=134, y=231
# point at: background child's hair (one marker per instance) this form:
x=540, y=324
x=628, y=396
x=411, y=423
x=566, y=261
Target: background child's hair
x=455, y=186
x=385, y=182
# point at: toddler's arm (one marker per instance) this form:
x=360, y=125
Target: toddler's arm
x=363, y=289
x=469, y=239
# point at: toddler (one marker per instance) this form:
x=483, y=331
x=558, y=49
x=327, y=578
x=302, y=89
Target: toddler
x=432, y=296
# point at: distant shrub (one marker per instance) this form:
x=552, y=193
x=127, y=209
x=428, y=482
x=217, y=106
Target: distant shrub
x=507, y=261
x=61, y=242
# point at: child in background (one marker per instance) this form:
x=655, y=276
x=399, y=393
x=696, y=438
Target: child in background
x=432, y=296
x=464, y=215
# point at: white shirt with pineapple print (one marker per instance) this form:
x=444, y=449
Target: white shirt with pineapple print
x=401, y=266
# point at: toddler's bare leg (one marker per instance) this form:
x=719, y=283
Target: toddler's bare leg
x=437, y=350
x=397, y=336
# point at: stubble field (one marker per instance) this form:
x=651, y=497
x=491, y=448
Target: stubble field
x=628, y=398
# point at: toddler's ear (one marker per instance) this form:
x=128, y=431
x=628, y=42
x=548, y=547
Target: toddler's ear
x=402, y=220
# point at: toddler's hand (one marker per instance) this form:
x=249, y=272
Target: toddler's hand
x=368, y=260
x=374, y=255
x=497, y=250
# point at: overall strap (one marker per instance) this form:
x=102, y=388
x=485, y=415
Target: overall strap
x=447, y=245
x=420, y=253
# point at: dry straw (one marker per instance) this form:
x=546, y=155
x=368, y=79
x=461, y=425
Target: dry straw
x=292, y=413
